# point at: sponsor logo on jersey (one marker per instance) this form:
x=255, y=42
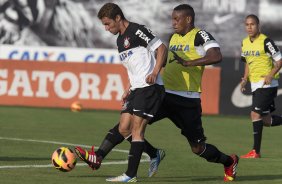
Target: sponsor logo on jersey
x=142, y=36
x=125, y=54
x=126, y=42
x=204, y=35
x=271, y=48
x=251, y=53
x=179, y=48
x=149, y=30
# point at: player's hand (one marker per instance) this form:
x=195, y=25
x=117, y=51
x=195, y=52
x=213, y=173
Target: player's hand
x=243, y=84
x=267, y=80
x=124, y=96
x=151, y=79
x=176, y=58
x=9, y=32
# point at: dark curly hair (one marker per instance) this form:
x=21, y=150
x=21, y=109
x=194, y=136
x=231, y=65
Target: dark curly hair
x=110, y=10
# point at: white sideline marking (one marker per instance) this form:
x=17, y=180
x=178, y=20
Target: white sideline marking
x=147, y=158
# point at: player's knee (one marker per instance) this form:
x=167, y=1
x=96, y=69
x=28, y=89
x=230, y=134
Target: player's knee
x=255, y=116
x=197, y=148
x=124, y=130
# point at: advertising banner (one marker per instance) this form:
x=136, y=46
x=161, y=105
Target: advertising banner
x=56, y=84
x=95, y=86
x=61, y=54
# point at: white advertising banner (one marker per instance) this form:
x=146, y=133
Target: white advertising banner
x=62, y=54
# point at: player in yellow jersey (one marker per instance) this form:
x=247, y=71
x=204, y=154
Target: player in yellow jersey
x=190, y=49
x=263, y=61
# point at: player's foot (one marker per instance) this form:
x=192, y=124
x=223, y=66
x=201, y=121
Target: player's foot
x=89, y=157
x=122, y=178
x=251, y=154
x=230, y=172
x=155, y=162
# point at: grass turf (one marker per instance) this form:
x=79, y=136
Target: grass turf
x=231, y=134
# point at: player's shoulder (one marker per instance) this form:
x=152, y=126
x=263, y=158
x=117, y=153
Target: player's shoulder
x=203, y=35
x=266, y=39
x=201, y=31
x=135, y=25
x=263, y=36
x=140, y=28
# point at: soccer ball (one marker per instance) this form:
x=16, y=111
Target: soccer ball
x=64, y=159
x=76, y=106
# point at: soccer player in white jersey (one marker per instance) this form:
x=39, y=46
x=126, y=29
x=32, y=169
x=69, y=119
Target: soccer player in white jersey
x=263, y=61
x=143, y=55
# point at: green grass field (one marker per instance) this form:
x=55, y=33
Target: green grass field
x=28, y=137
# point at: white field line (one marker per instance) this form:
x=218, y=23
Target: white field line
x=146, y=159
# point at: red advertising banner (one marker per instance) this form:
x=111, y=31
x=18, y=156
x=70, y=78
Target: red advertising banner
x=211, y=90
x=95, y=86
x=57, y=84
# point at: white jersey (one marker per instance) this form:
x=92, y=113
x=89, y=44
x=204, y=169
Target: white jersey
x=137, y=53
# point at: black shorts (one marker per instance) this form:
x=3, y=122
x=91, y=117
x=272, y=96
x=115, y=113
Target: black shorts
x=263, y=100
x=145, y=102
x=185, y=113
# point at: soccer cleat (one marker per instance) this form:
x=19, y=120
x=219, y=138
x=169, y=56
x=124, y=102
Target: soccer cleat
x=230, y=172
x=122, y=178
x=251, y=154
x=155, y=162
x=89, y=157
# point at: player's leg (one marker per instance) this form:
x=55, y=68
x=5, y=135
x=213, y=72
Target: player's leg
x=137, y=145
x=115, y=135
x=156, y=154
x=212, y=154
x=113, y=138
x=135, y=152
x=186, y=115
x=145, y=104
x=123, y=130
x=263, y=105
x=275, y=120
x=271, y=120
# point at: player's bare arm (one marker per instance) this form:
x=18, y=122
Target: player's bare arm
x=277, y=66
x=244, y=79
x=212, y=56
x=160, y=60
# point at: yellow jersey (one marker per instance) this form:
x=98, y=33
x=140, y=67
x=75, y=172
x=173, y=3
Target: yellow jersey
x=191, y=46
x=259, y=55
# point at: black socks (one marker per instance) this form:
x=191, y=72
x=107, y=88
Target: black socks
x=112, y=139
x=134, y=157
x=212, y=154
x=148, y=148
x=257, y=131
x=276, y=120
